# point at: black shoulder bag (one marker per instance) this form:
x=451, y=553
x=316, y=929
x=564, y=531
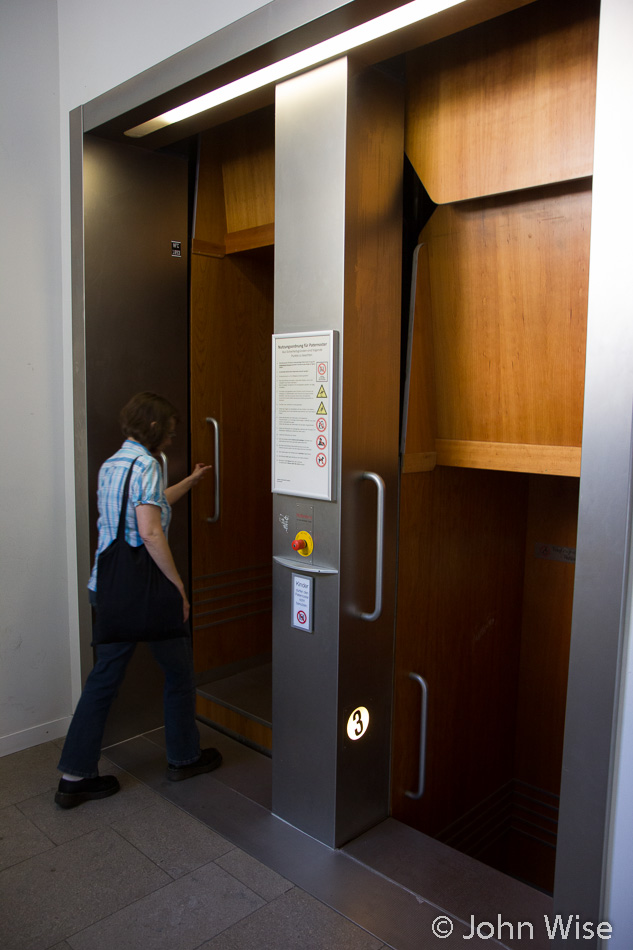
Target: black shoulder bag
x=135, y=600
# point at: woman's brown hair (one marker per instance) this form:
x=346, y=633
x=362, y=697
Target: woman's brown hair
x=148, y=418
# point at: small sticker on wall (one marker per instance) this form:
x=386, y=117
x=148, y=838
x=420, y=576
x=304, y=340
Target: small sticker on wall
x=554, y=552
x=176, y=248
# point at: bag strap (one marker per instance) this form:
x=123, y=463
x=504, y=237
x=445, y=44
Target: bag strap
x=120, y=535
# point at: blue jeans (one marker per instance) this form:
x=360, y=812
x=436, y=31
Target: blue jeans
x=82, y=748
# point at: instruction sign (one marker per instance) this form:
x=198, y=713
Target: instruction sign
x=301, y=610
x=304, y=372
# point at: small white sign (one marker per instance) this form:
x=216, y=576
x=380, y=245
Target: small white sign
x=301, y=610
x=303, y=413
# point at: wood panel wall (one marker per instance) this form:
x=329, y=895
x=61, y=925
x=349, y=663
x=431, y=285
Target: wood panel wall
x=235, y=206
x=508, y=301
x=232, y=321
x=501, y=305
x=548, y=588
x=505, y=105
x=459, y=626
x=248, y=171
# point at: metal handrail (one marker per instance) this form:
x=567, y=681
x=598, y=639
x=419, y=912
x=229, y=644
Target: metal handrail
x=380, y=540
x=423, y=722
x=216, y=469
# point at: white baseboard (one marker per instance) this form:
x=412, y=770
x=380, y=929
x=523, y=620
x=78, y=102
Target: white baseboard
x=27, y=738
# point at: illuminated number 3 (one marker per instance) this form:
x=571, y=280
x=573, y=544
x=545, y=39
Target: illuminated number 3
x=357, y=723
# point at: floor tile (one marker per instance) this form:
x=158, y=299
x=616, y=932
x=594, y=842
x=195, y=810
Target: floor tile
x=58, y=893
x=175, y=841
x=27, y=773
x=268, y=884
x=19, y=838
x=64, y=824
x=178, y=917
x=295, y=920
x=397, y=916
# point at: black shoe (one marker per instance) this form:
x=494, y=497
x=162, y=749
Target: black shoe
x=70, y=794
x=208, y=761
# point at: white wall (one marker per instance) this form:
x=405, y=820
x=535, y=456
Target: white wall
x=103, y=44
x=34, y=644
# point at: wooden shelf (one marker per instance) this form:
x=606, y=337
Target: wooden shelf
x=497, y=456
x=250, y=238
x=207, y=248
x=235, y=241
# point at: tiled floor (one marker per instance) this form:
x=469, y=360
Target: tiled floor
x=137, y=872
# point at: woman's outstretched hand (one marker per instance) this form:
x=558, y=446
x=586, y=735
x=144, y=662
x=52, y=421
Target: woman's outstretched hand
x=199, y=472
x=175, y=492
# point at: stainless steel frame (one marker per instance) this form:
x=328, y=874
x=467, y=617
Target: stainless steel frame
x=598, y=634
x=79, y=386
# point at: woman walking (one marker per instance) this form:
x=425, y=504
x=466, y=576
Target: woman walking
x=148, y=422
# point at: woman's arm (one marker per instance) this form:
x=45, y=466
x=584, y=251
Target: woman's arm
x=151, y=531
x=175, y=492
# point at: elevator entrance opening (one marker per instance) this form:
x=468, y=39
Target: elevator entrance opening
x=231, y=328
x=493, y=416
x=490, y=460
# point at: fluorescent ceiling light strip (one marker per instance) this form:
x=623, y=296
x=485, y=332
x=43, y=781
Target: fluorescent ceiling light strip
x=283, y=68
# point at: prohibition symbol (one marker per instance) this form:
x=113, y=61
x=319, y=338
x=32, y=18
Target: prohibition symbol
x=321, y=460
x=321, y=442
x=301, y=617
x=321, y=425
x=321, y=371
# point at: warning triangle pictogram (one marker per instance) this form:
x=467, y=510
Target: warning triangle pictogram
x=322, y=393
x=321, y=411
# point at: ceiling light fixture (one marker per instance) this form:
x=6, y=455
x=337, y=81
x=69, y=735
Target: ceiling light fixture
x=328, y=49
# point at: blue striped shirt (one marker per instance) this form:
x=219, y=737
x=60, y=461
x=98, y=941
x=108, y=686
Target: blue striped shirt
x=146, y=488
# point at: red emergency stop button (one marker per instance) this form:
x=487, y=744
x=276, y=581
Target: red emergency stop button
x=303, y=544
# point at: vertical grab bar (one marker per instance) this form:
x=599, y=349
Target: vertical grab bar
x=380, y=536
x=216, y=442
x=423, y=720
x=164, y=461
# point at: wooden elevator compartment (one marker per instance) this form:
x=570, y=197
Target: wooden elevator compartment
x=500, y=133
x=231, y=328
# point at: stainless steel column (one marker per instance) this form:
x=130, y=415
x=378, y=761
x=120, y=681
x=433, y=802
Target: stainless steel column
x=337, y=267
